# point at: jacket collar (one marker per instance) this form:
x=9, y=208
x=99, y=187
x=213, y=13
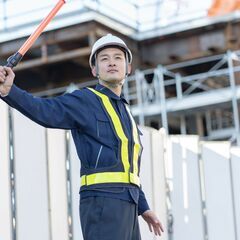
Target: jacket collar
x=110, y=93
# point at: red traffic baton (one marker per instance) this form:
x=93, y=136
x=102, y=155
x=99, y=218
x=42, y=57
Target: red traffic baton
x=16, y=57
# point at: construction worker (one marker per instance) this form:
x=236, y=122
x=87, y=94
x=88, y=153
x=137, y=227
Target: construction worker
x=107, y=142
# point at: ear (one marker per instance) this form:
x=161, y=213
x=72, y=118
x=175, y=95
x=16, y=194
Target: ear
x=129, y=68
x=94, y=71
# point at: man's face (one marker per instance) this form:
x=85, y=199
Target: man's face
x=111, y=65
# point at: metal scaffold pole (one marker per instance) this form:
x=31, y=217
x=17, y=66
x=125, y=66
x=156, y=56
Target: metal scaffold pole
x=138, y=75
x=162, y=98
x=234, y=96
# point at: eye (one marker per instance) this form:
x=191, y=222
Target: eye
x=104, y=59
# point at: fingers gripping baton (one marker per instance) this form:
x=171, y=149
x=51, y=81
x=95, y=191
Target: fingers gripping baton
x=16, y=58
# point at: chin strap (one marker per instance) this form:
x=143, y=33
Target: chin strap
x=96, y=65
x=126, y=69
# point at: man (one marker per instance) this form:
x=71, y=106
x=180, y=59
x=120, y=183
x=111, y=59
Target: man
x=107, y=142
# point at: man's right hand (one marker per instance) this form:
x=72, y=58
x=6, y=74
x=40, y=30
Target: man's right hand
x=6, y=80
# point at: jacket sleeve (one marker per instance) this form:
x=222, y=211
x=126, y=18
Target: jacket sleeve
x=65, y=112
x=142, y=203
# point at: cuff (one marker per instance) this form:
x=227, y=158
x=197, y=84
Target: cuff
x=12, y=90
x=142, y=203
x=143, y=207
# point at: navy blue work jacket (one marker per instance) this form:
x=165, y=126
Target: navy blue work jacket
x=81, y=112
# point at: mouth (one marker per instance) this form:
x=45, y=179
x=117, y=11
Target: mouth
x=112, y=71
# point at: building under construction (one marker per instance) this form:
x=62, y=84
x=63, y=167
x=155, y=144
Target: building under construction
x=186, y=67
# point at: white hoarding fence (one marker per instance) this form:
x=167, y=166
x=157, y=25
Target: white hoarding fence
x=193, y=186
x=5, y=176
x=186, y=203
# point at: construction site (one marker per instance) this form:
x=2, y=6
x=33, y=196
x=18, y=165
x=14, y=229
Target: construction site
x=185, y=70
x=184, y=87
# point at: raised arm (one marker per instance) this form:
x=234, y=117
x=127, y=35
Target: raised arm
x=66, y=112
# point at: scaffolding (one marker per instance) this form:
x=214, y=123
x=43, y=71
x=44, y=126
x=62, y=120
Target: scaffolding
x=203, y=103
x=199, y=96
x=168, y=93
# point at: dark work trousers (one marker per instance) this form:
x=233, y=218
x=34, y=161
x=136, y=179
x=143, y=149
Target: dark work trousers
x=104, y=218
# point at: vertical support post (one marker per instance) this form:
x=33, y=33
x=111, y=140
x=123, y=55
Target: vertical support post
x=179, y=86
x=156, y=85
x=183, y=128
x=125, y=89
x=162, y=98
x=138, y=79
x=91, y=38
x=12, y=174
x=208, y=122
x=6, y=185
x=69, y=185
x=199, y=124
x=234, y=97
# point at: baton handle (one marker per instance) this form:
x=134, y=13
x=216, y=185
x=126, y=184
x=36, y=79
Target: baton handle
x=14, y=60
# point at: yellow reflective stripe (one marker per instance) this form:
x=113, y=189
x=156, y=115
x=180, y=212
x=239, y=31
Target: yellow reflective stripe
x=137, y=146
x=118, y=128
x=109, y=177
x=134, y=179
x=117, y=177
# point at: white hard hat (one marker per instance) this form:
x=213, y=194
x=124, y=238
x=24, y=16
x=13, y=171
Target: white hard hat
x=108, y=40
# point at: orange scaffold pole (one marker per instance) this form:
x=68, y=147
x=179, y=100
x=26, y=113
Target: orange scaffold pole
x=16, y=58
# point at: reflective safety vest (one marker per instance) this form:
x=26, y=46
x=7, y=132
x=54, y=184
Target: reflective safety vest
x=128, y=175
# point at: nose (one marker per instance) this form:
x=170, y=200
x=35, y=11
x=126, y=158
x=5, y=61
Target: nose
x=111, y=62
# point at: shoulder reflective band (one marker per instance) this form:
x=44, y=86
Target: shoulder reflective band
x=137, y=146
x=113, y=177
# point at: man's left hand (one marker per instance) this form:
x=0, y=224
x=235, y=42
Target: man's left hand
x=153, y=222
